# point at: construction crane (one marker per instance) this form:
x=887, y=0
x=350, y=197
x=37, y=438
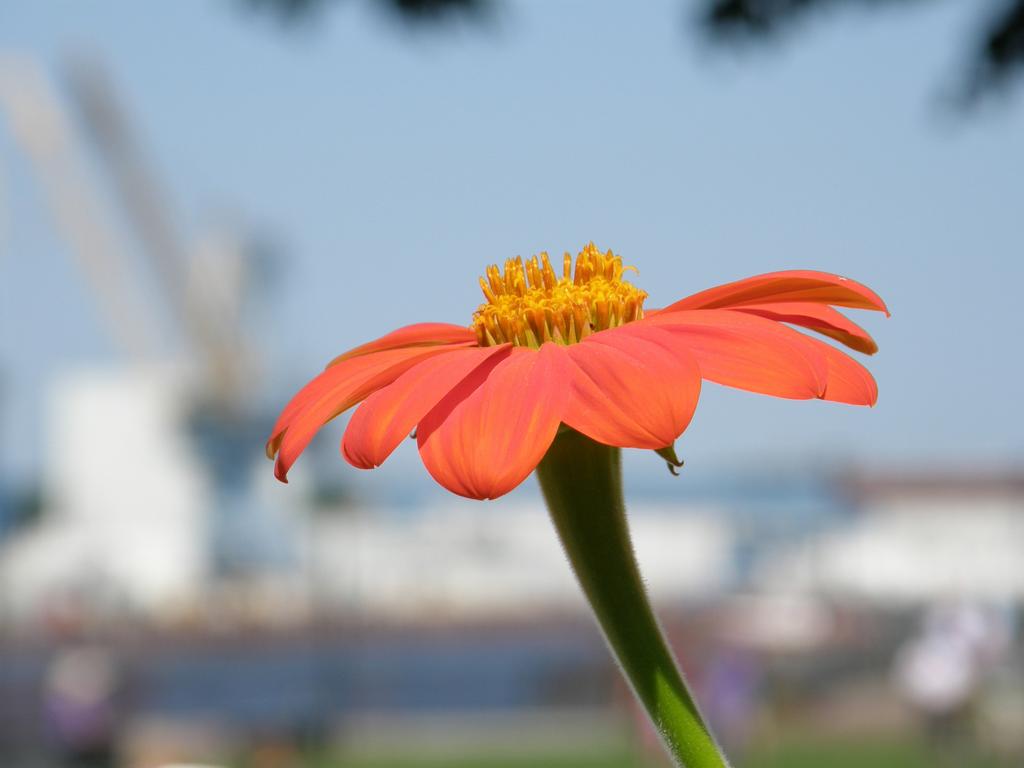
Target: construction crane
x=207, y=309
x=38, y=124
x=202, y=286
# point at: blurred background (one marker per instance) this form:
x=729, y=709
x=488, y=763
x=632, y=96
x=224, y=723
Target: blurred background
x=203, y=202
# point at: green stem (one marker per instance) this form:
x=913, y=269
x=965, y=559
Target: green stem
x=582, y=485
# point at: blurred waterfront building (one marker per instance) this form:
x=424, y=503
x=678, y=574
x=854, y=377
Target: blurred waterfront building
x=466, y=561
x=126, y=500
x=916, y=538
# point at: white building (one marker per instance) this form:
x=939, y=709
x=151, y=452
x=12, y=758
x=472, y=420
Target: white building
x=916, y=538
x=126, y=499
x=502, y=558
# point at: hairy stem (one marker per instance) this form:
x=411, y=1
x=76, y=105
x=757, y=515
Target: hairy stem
x=582, y=485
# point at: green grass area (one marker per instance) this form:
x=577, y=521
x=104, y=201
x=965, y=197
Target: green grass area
x=798, y=754
x=809, y=754
x=794, y=750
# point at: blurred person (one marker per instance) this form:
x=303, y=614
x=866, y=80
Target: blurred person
x=731, y=683
x=80, y=702
x=939, y=672
x=727, y=682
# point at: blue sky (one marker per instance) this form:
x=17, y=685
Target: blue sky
x=393, y=167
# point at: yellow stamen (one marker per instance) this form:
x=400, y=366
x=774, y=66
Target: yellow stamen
x=529, y=304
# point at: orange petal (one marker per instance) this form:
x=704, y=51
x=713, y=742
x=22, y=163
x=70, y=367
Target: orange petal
x=329, y=378
x=817, y=317
x=848, y=381
x=335, y=390
x=417, y=335
x=387, y=416
x=791, y=285
x=490, y=432
x=634, y=387
x=748, y=352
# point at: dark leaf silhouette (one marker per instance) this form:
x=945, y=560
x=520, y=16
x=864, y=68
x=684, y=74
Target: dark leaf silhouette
x=996, y=53
x=994, y=46
x=409, y=10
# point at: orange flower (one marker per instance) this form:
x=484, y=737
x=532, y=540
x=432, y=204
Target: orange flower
x=579, y=349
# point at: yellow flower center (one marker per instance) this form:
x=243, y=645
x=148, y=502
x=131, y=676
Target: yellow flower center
x=528, y=304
